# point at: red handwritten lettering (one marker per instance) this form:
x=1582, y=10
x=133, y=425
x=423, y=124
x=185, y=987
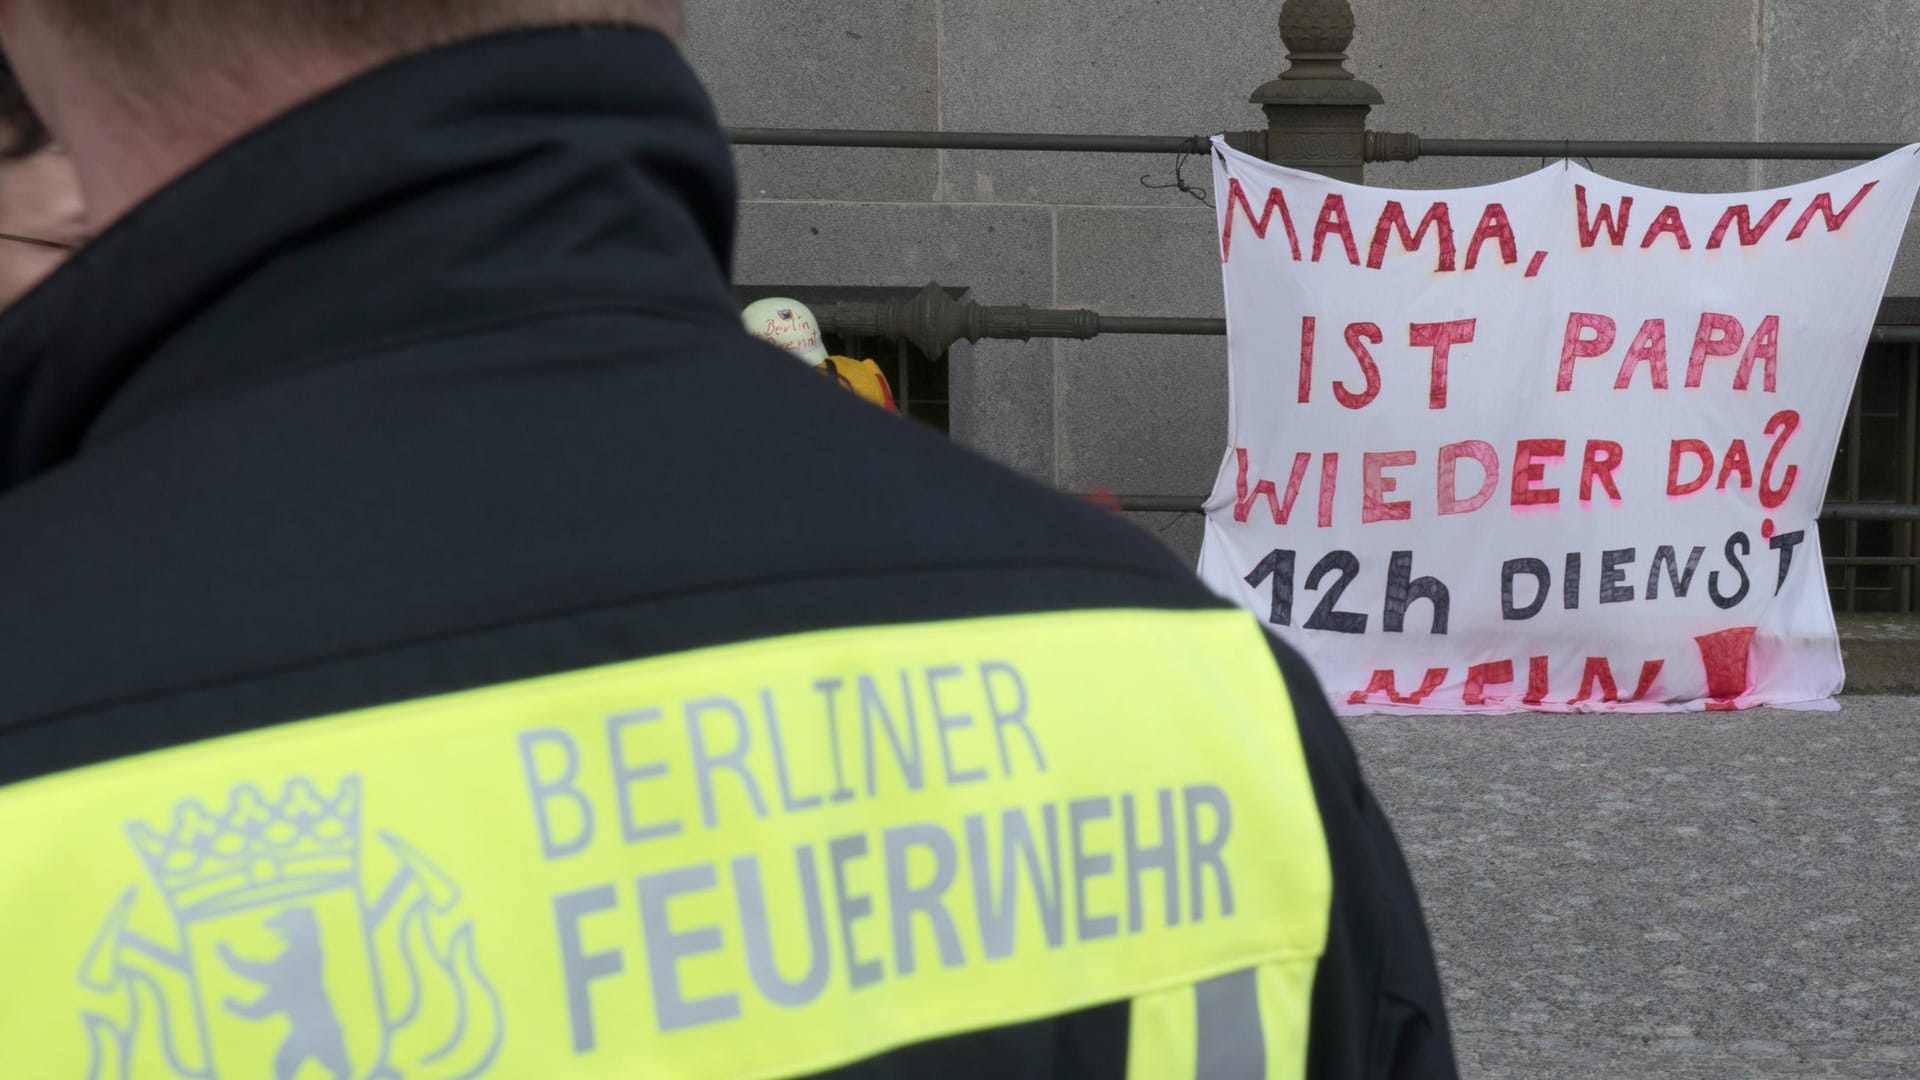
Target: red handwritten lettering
x=1480, y=676
x=1783, y=423
x=1726, y=658
x=1308, y=326
x=1237, y=197
x=1530, y=463
x=1602, y=460
x=1668, y=223
x=1823, y=205
x=1243, y=503
x=1494, y=226
x=1329, y=478
x=1441, y=338
x=1699, y=451
x=1765, y=345
x=1333, y=222
x=1383, y=682
x=1378, y=485
x=1736, y=461
x=1577, y=346
x=1607, y=218
x=1719, y=335
x=1598, y=675
x=1449, y=480
x=1741, y=216
x=1536, y=681
x=1357, y=336
x=1649, y=674
x=1439, y=219
x=1649, y=348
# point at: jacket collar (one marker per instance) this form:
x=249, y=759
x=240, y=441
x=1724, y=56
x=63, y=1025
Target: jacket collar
x=501, y=177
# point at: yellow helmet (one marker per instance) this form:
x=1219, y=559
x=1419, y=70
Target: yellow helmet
x=789, y=324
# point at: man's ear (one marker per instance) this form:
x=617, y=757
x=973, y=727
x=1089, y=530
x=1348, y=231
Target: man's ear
x=673, y=20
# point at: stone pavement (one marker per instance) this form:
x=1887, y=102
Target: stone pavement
x=1717, y=895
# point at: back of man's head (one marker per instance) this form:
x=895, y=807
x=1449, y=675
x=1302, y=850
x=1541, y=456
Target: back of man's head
x=139, y=90
x=149, y=29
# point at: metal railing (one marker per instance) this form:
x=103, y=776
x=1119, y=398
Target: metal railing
x=970, y=140
x=1379, y=146
x=934, y=321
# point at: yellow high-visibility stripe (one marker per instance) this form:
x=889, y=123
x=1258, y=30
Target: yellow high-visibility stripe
x=1162, y=1040
x=1286, y=1011
x=754, y=861
x=1250, y=1025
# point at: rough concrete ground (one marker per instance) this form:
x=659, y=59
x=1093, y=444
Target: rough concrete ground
x=1720, y=895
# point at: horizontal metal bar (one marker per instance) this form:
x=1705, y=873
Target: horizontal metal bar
x=1873, y=560
x=971, y=140
x=1140, y=324
x=1669, y=150
x=1161, y=504
x=1870, y=512
x=1414, y=147
x=1190, y=504
x=934, y=321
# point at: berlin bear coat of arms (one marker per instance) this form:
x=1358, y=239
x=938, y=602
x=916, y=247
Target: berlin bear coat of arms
x=285, y=962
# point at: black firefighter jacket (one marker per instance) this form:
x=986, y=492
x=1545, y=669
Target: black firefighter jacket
x=438, y=643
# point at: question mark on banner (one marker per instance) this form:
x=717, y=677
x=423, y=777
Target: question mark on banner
x=1781, y=428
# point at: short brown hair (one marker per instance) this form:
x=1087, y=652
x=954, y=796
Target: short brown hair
x=140, y=27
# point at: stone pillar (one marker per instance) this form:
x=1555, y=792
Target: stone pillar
x=1316, y=110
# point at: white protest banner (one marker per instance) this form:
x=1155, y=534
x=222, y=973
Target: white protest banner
x=1558, y=443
